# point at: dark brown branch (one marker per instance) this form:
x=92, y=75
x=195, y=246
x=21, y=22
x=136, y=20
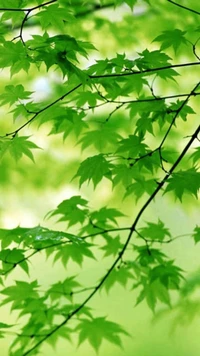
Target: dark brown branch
x=30, y=8
x=132, y=230
x=184, y=7
x=14, y=133
x=149, y=70
x=94, y=8
x=177, y=113
x=61, y=243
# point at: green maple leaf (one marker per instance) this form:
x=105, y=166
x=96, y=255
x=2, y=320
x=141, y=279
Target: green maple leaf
x=152, y=162
x=140, y=187
x=4, y=146
x=15, y=16
x=105, y=214
x=195, y=156
x=55, y=16
x=65, y=120
x=196, y=234
x=98, y=329
x=75, y=252
x=112, y=246
x=121, y=276
x=186, y=109
x=13, y=257
x=145, y=258
x=172, y=38
x=20, y=111
x=144, y=124
x=155, y=231
x=132, y=146
x=168, y=274
x=14, y=55
x=183, y=182
x=39, y=237
x=13, y=3
x=153, y=292
x=73, y=210
x=122, y=173
x=63, y=289
x=135, y=83
x=13, y=93
x=94, y=169
x=130, y=3
x=8, y=237
x=101, y=66
x=20, y=145
x=191, y=284
x=14, y=293
x=70, y=122
x=153, y=59
x=101, y=139
x=88, y=97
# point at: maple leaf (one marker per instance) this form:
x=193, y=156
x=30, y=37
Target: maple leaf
x=105, y=214
x=64, y=289
x=182, y=182
x=97, y=329
x=12, y=257
x=13, y=93
x=140, y=187
x=195, y=156
x=54, y=16
x=101, y=139
x=186, y=109
x=172, y=38
x=112, y=246
x=75, y=252
x=153, y=292
x=132, y=146
x=122, y=173
x=121, y=276
x=196, y=234
x=155, y=231
x=20, y=145
x=94, y=168
x=14, y=55
x=73, y=210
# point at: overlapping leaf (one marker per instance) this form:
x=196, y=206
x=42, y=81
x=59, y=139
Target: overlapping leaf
x=99, y=329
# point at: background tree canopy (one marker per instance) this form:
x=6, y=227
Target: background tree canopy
x=99, y=148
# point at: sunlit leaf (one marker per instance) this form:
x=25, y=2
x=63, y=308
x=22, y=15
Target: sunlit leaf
x=99, y=329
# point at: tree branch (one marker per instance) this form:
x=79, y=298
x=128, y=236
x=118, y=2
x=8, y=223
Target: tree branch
x=149, y=70
x=132, y=230
x=30, y=8
x=15, y=132
x=177, y=113
x=184, y=7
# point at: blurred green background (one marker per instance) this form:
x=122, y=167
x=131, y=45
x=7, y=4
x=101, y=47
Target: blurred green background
x=29, y=190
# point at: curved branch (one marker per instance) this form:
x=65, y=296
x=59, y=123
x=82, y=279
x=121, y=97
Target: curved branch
x=149, y=70
x=177, y=113
x=30, y=8
x=132, y=230
x=14, y=133
x=37, y=250
x=95, y=7
x=184, y=7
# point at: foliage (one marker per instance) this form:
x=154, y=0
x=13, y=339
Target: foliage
x=134, y=115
